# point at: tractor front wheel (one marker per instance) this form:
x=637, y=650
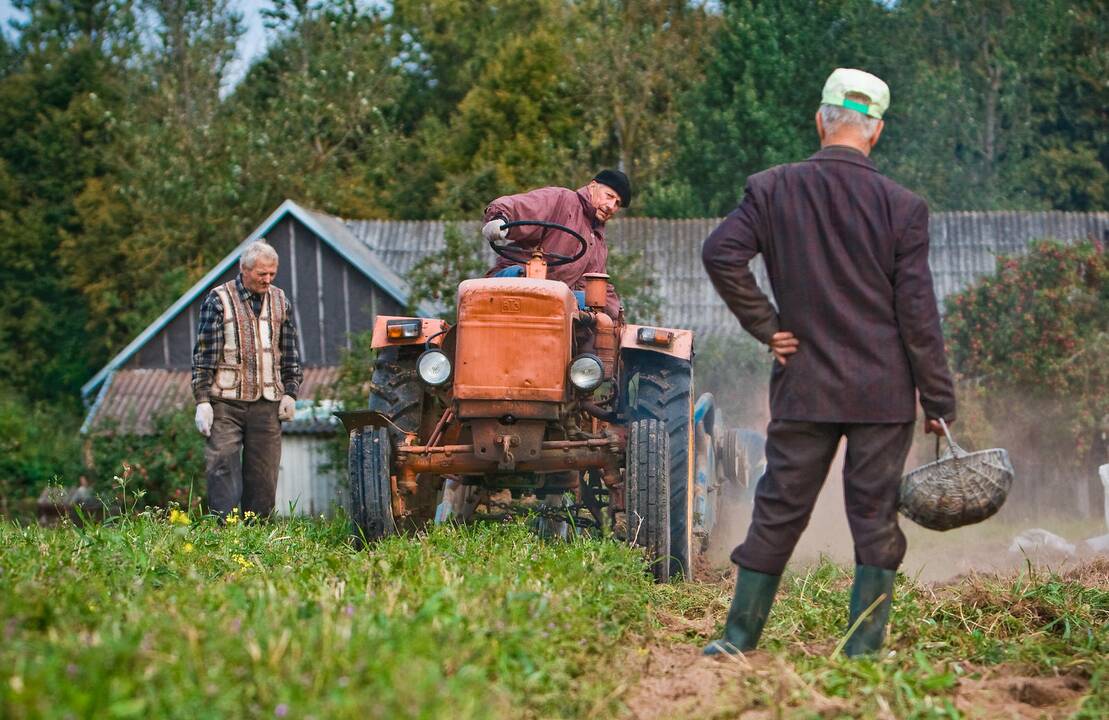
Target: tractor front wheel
x=371, y=492
x=664, y=392
x=647, y=493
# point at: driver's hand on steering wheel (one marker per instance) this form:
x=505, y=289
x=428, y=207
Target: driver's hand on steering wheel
x=494, y=230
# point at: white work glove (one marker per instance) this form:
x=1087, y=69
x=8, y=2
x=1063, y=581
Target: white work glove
x=287, y=409
x=204, y=418
x=494, y=230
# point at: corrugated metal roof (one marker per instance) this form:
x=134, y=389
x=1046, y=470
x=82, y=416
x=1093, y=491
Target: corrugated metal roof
x=138, y=396
x=964, y=246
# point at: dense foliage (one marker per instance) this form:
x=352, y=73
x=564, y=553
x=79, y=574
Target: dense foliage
x=1031, y=343
x=166, y=466
x=38, y=446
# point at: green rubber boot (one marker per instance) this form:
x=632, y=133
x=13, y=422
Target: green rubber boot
x=870, y=584
x=754, y=594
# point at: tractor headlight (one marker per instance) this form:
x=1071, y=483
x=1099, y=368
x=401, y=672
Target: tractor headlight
x=434, y=367
x=586, y=372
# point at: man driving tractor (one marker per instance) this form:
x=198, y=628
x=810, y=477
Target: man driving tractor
x=585, y=210
x=535, y=390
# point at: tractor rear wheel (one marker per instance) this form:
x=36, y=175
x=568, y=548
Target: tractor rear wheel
x=397, y=393
x=664, y=392
x=371, y=492
x=647, y=493
x=395, y=390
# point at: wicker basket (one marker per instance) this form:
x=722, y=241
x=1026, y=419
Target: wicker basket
x=960, y=488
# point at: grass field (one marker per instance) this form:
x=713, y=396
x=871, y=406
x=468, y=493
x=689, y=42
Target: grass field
x=168, y=616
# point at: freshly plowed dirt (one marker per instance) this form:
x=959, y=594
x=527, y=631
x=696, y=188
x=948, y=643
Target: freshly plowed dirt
x=676, y=681
x=673, y=680
x=1002, y=694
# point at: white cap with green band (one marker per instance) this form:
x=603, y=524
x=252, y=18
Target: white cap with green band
x=848, y=81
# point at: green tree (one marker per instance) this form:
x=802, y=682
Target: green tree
x=166, y=466
x=165, y=209
x=38, y=445
x=59, y=97
x=996, y=105
x=642, y=57
x=1031, y=342
x=765, y=67
x=316, y=116
x=520, y=126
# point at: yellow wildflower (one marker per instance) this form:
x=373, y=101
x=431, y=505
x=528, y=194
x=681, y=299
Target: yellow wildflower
x=188, y=547
x=243, y=562
x=176, y=517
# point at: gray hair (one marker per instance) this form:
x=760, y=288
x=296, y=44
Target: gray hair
x=837, y=118
x=257, y=250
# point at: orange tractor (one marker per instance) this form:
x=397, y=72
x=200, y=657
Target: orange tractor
x=534, y=401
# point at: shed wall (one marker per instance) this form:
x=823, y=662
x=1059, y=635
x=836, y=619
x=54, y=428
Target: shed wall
x=330, y=300
x=303, y=486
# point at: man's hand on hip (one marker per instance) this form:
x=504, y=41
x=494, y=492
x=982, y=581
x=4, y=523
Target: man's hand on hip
x=204, y=418
x=494, y=230
x=287, y=409
x=783, y=344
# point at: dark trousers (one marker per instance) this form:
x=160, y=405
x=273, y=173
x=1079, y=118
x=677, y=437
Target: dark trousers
x=798, y=455
x=243, y=454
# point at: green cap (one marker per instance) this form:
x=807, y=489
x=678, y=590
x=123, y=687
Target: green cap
x=848, y=81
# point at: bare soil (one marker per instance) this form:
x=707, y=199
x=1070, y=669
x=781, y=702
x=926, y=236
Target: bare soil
x=676, y=681
x=1005, y=693
x=671, y=679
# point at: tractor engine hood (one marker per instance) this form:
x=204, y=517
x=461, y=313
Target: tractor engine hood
x=514, y=339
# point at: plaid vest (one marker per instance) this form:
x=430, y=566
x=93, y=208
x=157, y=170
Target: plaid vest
x=250, y=364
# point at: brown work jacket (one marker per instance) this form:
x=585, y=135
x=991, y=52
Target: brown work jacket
x=846, y=251
x=565, y=207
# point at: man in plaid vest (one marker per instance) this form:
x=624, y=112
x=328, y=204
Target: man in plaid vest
x=246, y=374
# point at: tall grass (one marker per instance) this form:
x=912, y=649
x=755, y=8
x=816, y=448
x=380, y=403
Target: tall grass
x=157, y=616
x=167, y=615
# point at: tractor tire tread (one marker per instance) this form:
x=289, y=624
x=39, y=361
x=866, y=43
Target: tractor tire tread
x=665, y=394
x=648, y=492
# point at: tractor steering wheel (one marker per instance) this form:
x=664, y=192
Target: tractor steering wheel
x=506, y=251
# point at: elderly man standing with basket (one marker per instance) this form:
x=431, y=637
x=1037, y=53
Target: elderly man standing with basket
x=246, y=374
x=855, y=337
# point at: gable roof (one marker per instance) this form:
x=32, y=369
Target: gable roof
x=330, y=229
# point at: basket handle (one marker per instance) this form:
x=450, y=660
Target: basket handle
x=956, y=451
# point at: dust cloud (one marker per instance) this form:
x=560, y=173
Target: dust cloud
x=990, y=546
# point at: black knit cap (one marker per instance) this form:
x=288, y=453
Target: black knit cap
x=619, y=182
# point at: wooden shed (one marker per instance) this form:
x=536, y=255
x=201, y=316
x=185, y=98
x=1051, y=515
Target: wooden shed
x=336, y=286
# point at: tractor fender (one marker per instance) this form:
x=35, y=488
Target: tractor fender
x=680, y=345
x=429, y=328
